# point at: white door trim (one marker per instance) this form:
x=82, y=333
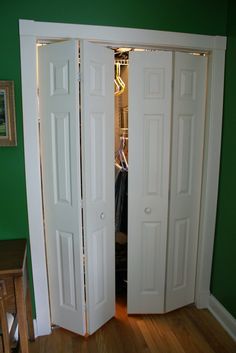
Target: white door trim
x=30, y=32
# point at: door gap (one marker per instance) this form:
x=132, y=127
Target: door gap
x=121, y=56
x=81, y=192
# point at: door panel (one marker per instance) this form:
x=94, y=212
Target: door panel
x=150, y=76
x=185, y=192
x=60, y=149
x=97, y=72
x=150, y=253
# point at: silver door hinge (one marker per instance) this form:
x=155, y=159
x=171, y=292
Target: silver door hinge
x=82, y=204
x=78, y=77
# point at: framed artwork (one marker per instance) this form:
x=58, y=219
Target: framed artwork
x=7, y=114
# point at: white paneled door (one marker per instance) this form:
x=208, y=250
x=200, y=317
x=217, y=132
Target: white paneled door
x=60, y=148
x=186, y=175
x=97, y=104
x=61, y=151
x=166, y=135
x=150, y=78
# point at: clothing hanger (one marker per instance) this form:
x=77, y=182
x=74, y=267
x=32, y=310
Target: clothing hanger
x=117, y=88
x=118, y=81
x=121, y=154
x=118, y=165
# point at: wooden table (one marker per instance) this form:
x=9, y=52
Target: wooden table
x=15, y=289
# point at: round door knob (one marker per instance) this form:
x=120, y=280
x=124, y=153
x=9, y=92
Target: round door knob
x=102, y=215
x=147, y=210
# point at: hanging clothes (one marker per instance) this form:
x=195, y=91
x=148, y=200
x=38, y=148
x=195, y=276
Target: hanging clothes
x=121, y=201
x=121, y=223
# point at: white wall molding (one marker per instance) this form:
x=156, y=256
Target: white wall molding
x=123, y=35
x=35, y=328
x=33, y=182
x=223, y=316
x=210, y=178
x=202, y=299
x=30, y=32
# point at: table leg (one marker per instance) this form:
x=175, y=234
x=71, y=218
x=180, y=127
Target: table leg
x=21, y=314
x=29, y=314
x=4, y=325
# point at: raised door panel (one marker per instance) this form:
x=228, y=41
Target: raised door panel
x=98, y=157
x=60, y=136
x=186, y=172
x=153, y=141
x=60, y=149
x=150, y=260
x=66, y=269
x=181, y=239
x=185, y=154
x=150, y=75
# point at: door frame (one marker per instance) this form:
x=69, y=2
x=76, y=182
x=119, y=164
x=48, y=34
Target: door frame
x=30, y=33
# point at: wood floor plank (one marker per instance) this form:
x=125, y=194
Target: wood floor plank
x=211, y=330
x=156, y=334
x=189, y=337
x=138, y=336
x=187, y=330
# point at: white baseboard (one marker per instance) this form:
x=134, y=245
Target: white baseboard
x=35, y=328
x=41, y=330
x=202, y=299
x=223, y=316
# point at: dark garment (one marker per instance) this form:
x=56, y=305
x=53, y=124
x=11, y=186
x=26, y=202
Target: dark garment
x=121, y=201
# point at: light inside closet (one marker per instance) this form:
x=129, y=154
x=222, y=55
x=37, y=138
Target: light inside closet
x=121, y=110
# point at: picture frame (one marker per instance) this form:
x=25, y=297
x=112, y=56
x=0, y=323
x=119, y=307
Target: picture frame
x=7, y=114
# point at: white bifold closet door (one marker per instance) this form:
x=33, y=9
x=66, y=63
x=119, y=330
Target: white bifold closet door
x=150, y=78
x=165, y=124
x=166, y=133
x=60, y=149
x=186, y=176
x=97, y=104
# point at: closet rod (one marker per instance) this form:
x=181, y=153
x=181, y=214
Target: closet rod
x=122, y=61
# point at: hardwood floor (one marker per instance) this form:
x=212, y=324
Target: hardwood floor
x=187, y=330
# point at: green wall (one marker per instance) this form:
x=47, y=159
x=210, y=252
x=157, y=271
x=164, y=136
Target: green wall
x=202, y=16
x=223, y=284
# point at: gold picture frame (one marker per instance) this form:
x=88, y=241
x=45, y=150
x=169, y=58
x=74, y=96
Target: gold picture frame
x=7, y=114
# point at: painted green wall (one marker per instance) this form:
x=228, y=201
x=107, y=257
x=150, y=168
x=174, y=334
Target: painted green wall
x=202, y=16
x=183, y=15
x=223, y=284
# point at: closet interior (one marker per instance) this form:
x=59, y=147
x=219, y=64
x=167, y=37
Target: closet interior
x=121, y=74
x=121, y=168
